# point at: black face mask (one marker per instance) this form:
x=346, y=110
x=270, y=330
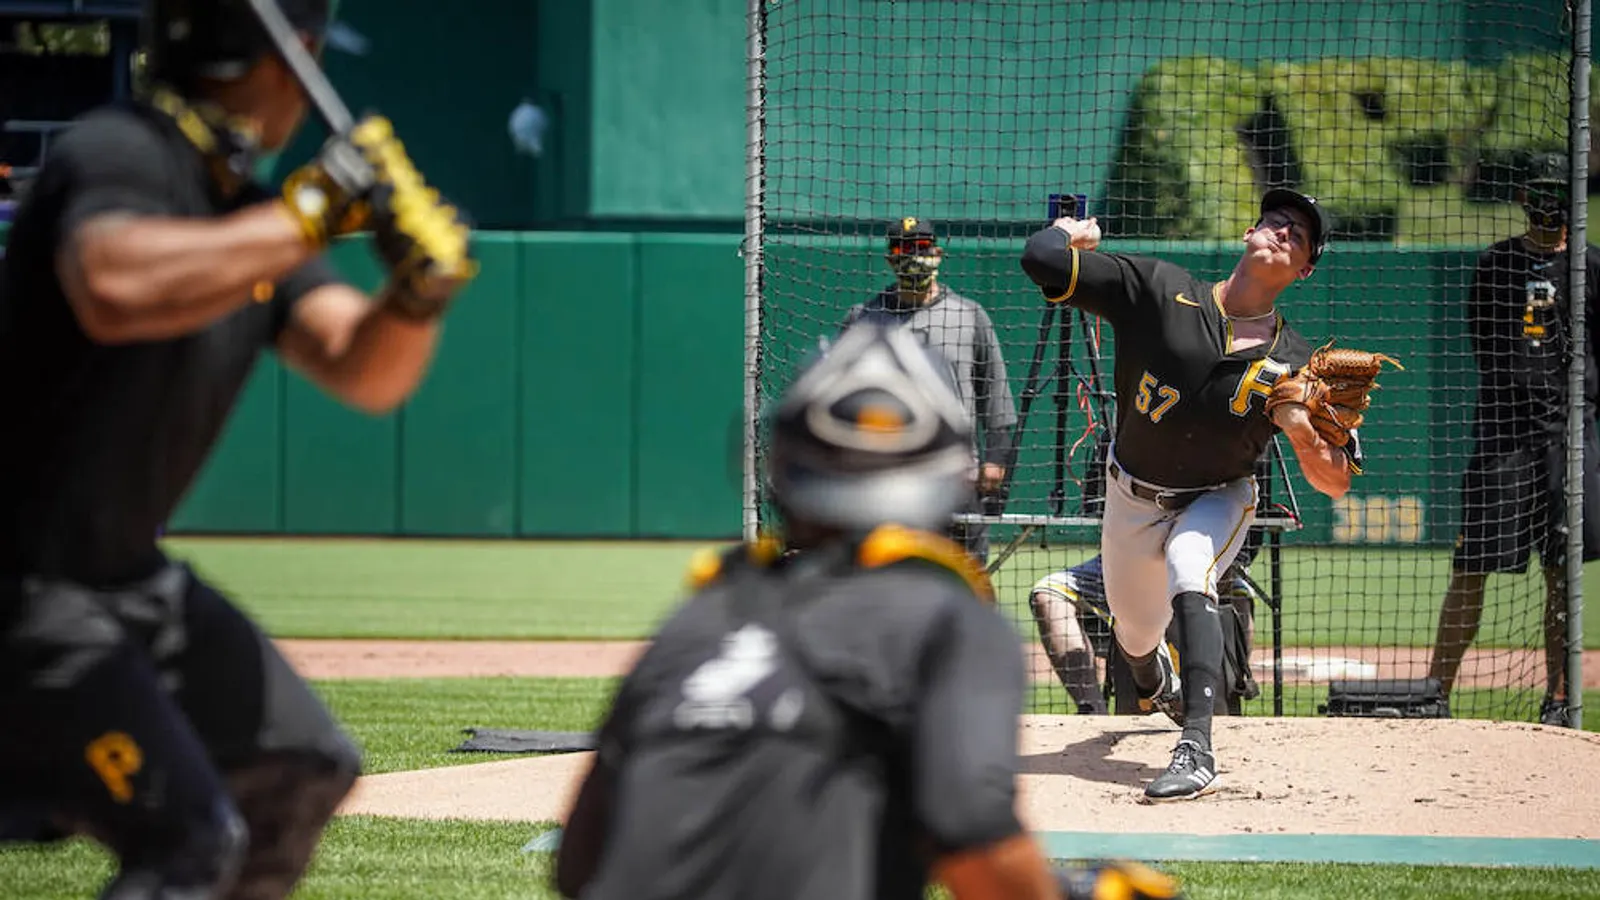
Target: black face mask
x=915, y=262
x=1546, y=207
x=915, y=273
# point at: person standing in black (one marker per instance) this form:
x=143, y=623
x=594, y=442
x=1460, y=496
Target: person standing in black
x=1518, y=311
x=144, y=275
x=1195, y=363
x=835, y=716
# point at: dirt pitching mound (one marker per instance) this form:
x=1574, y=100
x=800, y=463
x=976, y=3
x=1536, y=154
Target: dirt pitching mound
x=1086, y=773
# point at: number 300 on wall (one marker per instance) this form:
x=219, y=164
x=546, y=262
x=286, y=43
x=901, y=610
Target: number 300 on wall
x=1377, y=519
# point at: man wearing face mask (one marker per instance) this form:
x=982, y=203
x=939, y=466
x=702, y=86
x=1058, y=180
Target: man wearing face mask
x=1512, y=492
x=961, y=331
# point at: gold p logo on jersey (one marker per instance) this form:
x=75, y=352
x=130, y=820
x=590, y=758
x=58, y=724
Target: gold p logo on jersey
x=116, y=758
x=1253, y=383
x=908, y=223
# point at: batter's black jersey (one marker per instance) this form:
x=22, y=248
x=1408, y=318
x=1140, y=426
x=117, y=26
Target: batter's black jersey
x=102, y=441
x=1189, y=413
x=821, y=727
x=1519, y=311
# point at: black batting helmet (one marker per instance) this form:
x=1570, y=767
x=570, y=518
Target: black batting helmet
x=186, y=39
x=872, y=433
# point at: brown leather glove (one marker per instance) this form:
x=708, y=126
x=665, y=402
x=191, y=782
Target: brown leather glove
x=1334, y=387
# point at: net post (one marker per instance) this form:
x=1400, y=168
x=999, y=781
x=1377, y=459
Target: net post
x=751, y=250
x=1577, y=412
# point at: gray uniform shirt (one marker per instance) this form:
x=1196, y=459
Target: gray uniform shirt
x=959, y=329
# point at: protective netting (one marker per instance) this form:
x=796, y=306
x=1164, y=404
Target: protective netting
x=1415, y=123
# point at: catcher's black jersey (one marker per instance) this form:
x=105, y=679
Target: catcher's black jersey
x=1519, y=312
x=1189, y=413
x=821, y=726
x=102, y=440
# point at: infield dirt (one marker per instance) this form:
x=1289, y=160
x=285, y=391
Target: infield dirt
x=1291, y=775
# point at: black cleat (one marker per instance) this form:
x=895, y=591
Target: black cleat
x=1193, y=773
x=1554, y=712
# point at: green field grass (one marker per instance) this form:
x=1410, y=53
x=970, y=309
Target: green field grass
x=403, y=724
x=318, y=588
x=365, y=858
x=598, y=590
x=361, y=858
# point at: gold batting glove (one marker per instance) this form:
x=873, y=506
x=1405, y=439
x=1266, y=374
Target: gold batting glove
x=426, y=245
x=424, y=242
x=329, y=196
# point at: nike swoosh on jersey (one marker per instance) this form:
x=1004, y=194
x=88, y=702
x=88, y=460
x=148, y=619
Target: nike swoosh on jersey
x=1180, y=297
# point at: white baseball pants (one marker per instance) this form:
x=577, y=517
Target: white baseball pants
x=1151, y=553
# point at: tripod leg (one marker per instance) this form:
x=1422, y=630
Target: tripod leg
x=1010, y=548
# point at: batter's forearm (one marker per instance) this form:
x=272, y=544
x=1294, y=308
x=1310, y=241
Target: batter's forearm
x=386, y=360
x=139, y=278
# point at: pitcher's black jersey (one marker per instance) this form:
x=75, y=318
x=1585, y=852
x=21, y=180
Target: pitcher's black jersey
x=1189, y=413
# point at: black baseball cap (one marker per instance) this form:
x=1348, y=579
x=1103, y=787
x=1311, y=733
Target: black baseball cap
x=911, y=228
x=1321, y=221
x=1548, y=168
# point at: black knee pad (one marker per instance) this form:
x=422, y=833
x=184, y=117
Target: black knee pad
x=200, y=864
x=287, y=799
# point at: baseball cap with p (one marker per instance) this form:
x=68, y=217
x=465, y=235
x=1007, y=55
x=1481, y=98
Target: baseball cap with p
x=910, y=234
x=1315, y=213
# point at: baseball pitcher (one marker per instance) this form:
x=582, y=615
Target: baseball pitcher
x=1205, y=373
